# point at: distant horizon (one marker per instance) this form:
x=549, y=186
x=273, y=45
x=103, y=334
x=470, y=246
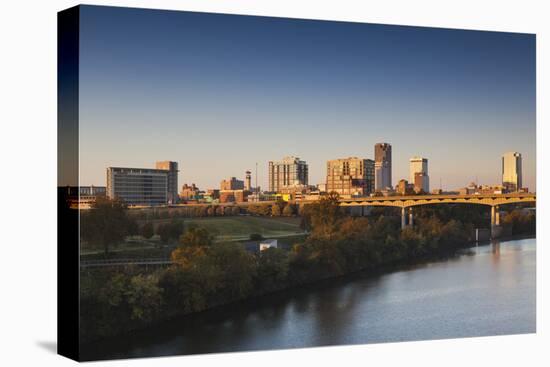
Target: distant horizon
x=218, y=93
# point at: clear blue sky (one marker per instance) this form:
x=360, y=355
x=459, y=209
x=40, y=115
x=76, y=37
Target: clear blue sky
x=218, y=93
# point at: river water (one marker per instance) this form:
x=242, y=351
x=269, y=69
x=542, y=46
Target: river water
x=489, y=291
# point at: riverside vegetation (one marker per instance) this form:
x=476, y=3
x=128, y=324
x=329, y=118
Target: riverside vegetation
x=206, y=274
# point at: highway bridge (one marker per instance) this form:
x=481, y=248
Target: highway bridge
x=406, y=203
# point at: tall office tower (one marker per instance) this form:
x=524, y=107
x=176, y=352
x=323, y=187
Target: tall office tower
x=511, y=171
x=382, y=166
x=248, y=181
x=350, y=176
x=418, y=174
x=172, y=168
x=138, y=186
x=288, y=173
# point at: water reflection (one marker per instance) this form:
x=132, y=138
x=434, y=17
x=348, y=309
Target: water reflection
x=489, y=290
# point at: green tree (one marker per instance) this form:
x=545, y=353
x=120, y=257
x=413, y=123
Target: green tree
x=147, y=230
x=256, y=237
x=273, y=268
x=106, y=223
x=132, y=226
x=144, y=296
x=175, y=229
x=235, y=268
x=163, y=230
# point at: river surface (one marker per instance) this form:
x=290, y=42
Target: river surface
x=490, y=291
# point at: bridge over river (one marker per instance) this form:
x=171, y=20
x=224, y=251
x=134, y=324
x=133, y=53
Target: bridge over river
x=406, y=203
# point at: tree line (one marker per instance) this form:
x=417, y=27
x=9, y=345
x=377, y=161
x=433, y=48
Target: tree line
x=279, y=208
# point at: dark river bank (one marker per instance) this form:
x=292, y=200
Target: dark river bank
x=489, y=290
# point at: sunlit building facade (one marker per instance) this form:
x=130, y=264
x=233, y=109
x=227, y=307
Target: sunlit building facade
x=287, y=173
x=350, y=176
x=511, y=171
x=232, y=184
x=418, y=174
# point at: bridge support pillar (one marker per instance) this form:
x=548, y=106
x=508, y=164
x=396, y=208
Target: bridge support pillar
x=403, y=218
x=411, y=222
x=495, y=222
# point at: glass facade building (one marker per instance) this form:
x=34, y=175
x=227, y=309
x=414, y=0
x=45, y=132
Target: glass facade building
x=511, y=171
x=138, y=186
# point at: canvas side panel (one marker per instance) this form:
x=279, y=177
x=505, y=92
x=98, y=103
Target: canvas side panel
x=67, y=183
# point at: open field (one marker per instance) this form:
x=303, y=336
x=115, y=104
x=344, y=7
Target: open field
x=225, y=229
x=240, y=228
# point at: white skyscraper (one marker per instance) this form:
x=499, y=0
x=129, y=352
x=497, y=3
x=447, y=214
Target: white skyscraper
x=418, y=173
x=511, y=171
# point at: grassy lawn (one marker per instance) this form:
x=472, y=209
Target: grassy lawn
x=240, y=228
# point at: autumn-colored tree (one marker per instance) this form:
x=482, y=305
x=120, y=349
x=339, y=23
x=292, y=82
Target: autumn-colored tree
x=288, y=211
x=325, y=216
x=275, y=210
x=196, y=236
x=187, y=256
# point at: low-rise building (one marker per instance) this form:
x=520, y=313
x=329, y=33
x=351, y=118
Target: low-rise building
x=266, y=244
x=233, y=196
x=232, y=184
x=189, y=192
x=421, y=183
x=84, y=197
x=404, y=188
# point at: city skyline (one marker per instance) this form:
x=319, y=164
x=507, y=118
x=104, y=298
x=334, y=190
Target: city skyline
x=312, y=89
x=248, y=175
